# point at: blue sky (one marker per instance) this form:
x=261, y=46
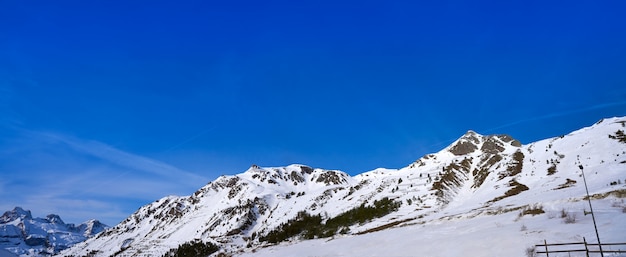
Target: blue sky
x=109, y=105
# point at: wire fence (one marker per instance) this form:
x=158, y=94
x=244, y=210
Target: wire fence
x=580, y=249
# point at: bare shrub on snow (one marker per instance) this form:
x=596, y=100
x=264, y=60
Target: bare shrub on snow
x=533, y=210
x=568, y=218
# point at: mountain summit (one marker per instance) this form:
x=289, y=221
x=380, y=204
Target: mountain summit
x=473, y=141
x=15, y=214
x=476, y=178
x=22, y=234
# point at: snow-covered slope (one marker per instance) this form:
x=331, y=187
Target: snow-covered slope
x=477, y=187
x=22, y=234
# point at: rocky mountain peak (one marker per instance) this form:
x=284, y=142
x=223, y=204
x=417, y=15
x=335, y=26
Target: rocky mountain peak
x=468, y=143
x=91, y=227
x=16, y=213
x=494, y=144
x=331, y=177
x=295, y=174
x=55, y=219
x=42, y=236
x=491, y=144
x=470, y=134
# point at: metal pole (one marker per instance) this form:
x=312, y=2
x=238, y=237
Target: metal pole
x=593, y=217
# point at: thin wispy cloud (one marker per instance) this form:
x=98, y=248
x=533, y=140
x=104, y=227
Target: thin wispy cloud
x=116, y=156
x=74, y=177
x=80, y=209
x=190, y=139
x=559, y=114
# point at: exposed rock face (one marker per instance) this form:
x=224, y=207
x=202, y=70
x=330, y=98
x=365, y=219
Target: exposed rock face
x=473, y=141
x=466, y=144
x=481, y=154
x=332, y=178
x=55, y=219
x=16, y=213
x=91, y=227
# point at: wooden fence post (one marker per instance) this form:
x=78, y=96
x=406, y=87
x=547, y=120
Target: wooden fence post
x=546, y=244
x=586, y=249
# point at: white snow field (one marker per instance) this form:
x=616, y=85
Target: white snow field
x=481, y=196
x=485, y=235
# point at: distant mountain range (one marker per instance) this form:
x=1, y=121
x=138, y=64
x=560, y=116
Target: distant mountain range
x=488, y=180
x=22, y=234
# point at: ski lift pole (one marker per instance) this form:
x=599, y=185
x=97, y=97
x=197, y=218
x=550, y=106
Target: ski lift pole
x=593, y=217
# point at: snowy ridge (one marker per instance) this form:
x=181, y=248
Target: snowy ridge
x=22, y=234
x=475, y=179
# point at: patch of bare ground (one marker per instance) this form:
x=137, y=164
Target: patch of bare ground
x=502, y=210
x=514, y=167
x=481, y=173
x=620, y=193
x=516, y=188
x=568, y=183
x=463, y=148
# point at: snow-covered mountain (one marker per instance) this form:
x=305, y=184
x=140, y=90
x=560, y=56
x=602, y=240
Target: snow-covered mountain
x=474, y=183
x=22, y=234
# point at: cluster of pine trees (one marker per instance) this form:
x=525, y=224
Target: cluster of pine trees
x=193, y=249
x=311, y=226
x=619, y=136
